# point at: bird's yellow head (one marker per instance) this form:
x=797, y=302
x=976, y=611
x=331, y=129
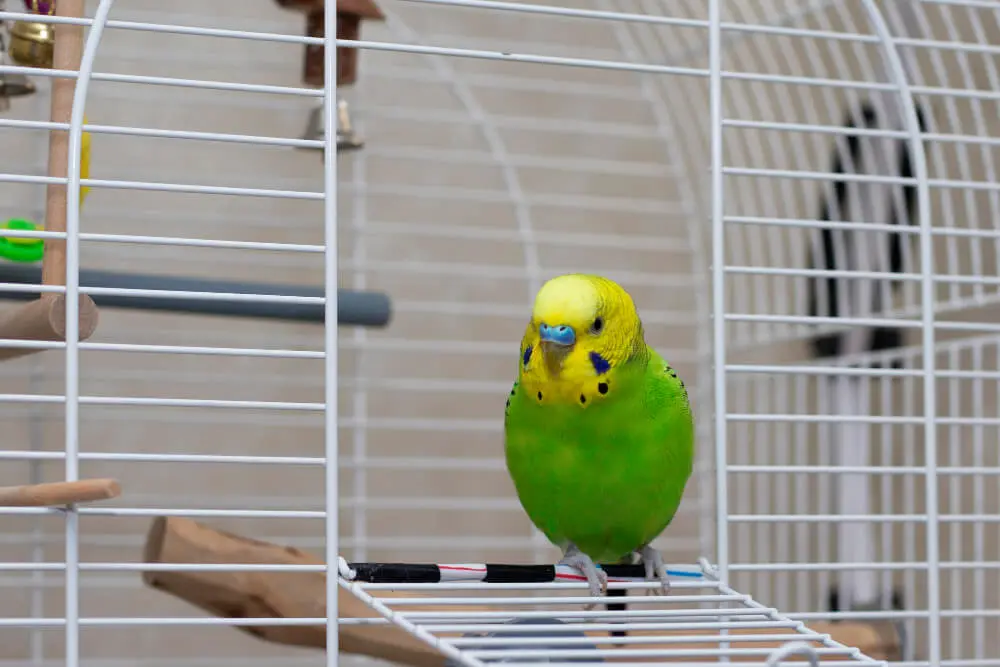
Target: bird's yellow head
x=582, y=327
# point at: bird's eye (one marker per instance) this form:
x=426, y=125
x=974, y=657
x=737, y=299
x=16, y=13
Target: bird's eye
x=597, y=326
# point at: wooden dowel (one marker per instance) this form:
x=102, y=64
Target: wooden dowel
x=59, y=493
x=302, y=595
x=45, y=318
x=67, y=54
x=268, y=594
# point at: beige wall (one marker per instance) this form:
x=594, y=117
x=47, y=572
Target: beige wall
x=479, y=180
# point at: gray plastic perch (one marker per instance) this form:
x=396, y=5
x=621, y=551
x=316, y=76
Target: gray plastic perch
x=367, y=309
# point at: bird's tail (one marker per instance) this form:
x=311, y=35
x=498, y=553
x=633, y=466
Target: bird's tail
x=619, y=593
x=618, y=606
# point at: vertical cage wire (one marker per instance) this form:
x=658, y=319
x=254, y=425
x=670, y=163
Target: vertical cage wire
x=716, y=114
x=930, y=540
x=761, y=214
x=360, y=394
x=72, y=391
x=898, y=74
x=331, y=381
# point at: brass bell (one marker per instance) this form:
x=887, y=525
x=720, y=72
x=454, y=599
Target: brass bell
x=16, y=85
x=347, y=138
x=314, y=125
x=32, y=44
x=13, y=85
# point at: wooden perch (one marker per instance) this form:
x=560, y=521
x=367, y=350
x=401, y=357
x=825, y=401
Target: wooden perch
x=302, y=595
x=67, y=54
x=268, y=594
x=59, y=493
x=37, y=320
x=44, y=319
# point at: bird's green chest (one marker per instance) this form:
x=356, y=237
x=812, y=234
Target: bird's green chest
x=605, y=477
x=570, y=445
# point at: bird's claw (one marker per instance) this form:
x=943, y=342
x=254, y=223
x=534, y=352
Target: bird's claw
x=655, y=569
x=597, y=579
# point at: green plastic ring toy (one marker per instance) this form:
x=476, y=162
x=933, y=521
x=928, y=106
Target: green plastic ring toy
x=19, y=248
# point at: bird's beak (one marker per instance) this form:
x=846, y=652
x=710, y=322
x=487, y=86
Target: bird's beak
x=556, y=343
x=561, y=335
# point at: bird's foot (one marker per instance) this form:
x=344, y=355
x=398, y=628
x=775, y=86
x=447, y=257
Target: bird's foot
x=655, y=569
x=597, y=579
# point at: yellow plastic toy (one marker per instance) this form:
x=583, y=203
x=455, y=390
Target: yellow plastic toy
x=84, y=161
x=21, y=249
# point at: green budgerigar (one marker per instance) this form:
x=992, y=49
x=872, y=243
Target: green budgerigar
x=599, y=435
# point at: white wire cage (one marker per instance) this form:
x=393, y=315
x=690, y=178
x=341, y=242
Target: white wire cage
x=560, y=138
x=855, y=470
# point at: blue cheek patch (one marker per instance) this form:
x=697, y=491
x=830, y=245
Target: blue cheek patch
x=527, y=355
x=601, y=365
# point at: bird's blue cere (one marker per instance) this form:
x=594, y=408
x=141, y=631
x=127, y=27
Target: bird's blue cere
x=560, y=335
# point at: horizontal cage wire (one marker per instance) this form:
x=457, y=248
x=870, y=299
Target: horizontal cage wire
x=507, y=142
x=193, y=115
x=701, y=620
x=859, y=273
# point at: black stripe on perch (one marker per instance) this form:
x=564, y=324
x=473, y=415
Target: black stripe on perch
x=434, y=573
x=368, y=309
x=429, y=573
